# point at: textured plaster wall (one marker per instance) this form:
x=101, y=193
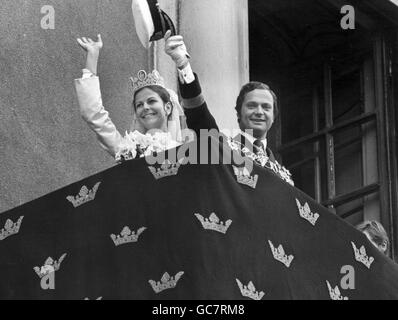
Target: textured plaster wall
x=44, y=143
x=216, y=33
x=216, y=36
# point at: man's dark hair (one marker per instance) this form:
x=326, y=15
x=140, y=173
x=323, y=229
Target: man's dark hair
x=253, y=85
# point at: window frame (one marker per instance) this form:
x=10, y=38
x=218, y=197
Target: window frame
x=384, y=57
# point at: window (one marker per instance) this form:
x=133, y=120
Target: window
x=329, y=140
x=338, y=94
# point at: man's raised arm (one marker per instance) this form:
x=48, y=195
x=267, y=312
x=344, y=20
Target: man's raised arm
x=195, y=107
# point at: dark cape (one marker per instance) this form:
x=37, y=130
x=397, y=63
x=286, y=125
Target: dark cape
x=256, y=236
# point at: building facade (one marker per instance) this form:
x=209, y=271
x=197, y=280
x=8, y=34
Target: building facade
x=337, y=90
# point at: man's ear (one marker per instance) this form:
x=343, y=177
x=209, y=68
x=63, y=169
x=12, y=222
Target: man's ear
x=238, y=116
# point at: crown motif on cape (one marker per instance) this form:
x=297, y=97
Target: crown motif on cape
x=279, y=254
x=166, y=282
x=214, y=223
x=10, y=228
x=144, y=79
x=249, y=291
x=335, y=292
x=50, y=266
x=99, y=298
x=361, y=256
x=167, y=169
x=243, y=176
x=305, y=213
x=127, y=236
x=85, y=195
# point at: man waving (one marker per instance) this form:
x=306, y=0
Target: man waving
x=256, y=107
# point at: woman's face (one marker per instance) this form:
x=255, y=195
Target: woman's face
x=151, y=111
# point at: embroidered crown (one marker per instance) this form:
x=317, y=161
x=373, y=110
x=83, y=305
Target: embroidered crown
x=127, y=236
x=85, y=195
x=335, y=292
x=167, y=169
x=243, y=176
x=49, y=266
x=166, y=282
x=361, y=256
x=279, y=255
x=144, y=79
x=10, y=228
x=249, y=291
x=214, y=223
x=305, y=213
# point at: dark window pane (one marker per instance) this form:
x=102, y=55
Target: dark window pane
x=346, y=95
x=297, y=117
x=364, y=208
x=348, y=160
x=306, y=163
x=304, y=178
x=321, y=108
x=352, y=212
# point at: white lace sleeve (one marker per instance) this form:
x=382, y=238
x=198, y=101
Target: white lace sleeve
x=94, y=113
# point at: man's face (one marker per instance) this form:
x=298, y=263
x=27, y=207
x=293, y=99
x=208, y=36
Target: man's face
x=257, y=112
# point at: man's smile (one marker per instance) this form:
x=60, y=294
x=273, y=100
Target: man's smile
x=257, y=120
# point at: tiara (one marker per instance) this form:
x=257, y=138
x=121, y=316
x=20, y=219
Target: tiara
x=144, y=79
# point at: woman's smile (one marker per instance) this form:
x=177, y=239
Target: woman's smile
x=149, y=114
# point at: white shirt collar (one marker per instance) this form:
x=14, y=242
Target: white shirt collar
x=252, y=139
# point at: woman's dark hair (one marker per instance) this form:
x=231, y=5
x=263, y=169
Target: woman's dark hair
x=376, y=232
x=251, y=86
x=162, y=92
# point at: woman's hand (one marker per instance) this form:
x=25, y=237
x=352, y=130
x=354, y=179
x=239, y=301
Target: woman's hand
x=90, y=46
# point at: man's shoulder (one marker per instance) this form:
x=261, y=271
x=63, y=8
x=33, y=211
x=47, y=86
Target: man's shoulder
x=245, y=142
x=240, y=137
x=271, y=163
x=271, y=155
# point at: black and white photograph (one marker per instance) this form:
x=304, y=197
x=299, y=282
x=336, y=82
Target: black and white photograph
x=208, y=151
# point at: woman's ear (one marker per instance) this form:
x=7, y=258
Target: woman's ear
x=168, y=108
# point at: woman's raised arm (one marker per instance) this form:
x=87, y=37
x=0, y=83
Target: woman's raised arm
x=90, y=100
x=93, y=49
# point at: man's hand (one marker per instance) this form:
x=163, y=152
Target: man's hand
x=176, y=49
x=90, y=46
